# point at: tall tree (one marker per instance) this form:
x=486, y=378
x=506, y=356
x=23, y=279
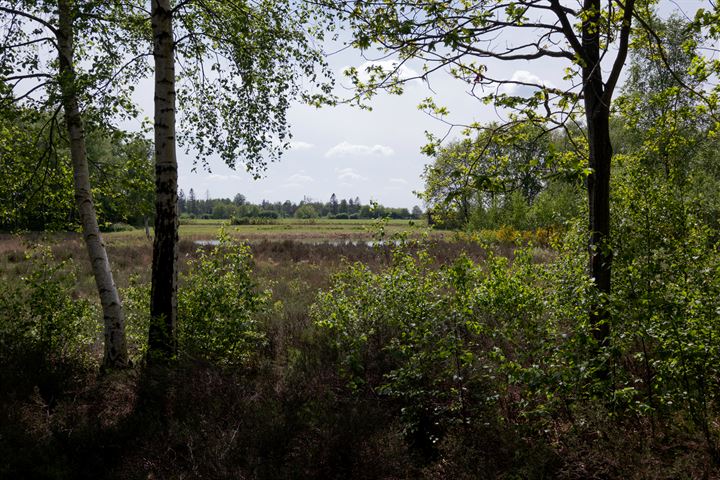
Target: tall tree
x=591, y=37
x=162, y=339
x=659, y=115
x=34, y=30
x=333, y=204
x=115, y=343
x=241, y=65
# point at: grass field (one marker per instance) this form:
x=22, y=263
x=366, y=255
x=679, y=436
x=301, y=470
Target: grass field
x=310, y=231
x=318, y=245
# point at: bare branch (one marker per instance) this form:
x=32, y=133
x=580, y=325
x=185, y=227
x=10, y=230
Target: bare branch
x=567, y=29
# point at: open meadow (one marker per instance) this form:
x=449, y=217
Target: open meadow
x=311, y=230
x=319, y=242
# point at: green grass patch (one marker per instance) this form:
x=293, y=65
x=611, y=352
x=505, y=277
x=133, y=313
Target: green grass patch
x=316, y=230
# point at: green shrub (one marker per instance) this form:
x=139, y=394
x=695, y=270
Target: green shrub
x=136, y=302
x=447, y=344
x=268, y=214
x=239, y=220
x=218, y=303
x=218, y=306
x=45, y=330
x=119, y=227
x=306, y=211
x=666, y=299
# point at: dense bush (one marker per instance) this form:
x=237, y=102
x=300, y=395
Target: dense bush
x=469, y=344
x=306, y=212
x=218, y=304
x=118, y=227
x=450, y=344
x=268, y=214
x=666, y=299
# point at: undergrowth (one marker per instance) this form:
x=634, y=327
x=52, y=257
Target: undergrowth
x=415, y=360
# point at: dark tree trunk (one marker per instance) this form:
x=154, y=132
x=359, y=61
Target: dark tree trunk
x=115, y=355
x=597, y=111
x=162, y=341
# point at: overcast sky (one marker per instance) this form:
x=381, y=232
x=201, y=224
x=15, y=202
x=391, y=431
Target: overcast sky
x=359, y=153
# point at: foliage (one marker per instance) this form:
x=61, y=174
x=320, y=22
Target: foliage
x=104, y=32
x=448, y=344
x=218, y=304
x=667, y=290
x=42, y=322
x=224, y=208
x=122, y=176
x=519, y=176
x=36, y=192
x=306, y=212
x=136, y=301
x=496, y=162
x=241, y=66
x=37, y=189
x=472, y=344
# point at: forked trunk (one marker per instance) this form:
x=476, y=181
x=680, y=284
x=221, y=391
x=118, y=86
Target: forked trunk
x=115, y=355
x=162, y=342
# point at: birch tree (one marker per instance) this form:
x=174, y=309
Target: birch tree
x=240, y=66
x=38, y=60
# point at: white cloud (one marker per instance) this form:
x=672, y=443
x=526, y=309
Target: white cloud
x=346, y=148
x=347, y=174
x=298, y=145
x=297, y=180
x=400, y=181
x=524, y=76
x=300, y=177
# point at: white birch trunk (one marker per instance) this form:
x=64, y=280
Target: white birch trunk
x=115, y=354
x=163, y=296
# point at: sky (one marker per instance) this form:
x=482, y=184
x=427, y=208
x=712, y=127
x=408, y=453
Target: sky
x=352, y=152
x=373, y=155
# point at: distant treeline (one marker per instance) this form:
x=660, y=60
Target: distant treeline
x=241, y=211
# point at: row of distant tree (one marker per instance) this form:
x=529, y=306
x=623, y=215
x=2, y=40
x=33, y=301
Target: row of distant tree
x=239, y=208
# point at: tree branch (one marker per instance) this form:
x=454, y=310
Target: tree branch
x=39, y=20
x=619, y=63
x=567, y=28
